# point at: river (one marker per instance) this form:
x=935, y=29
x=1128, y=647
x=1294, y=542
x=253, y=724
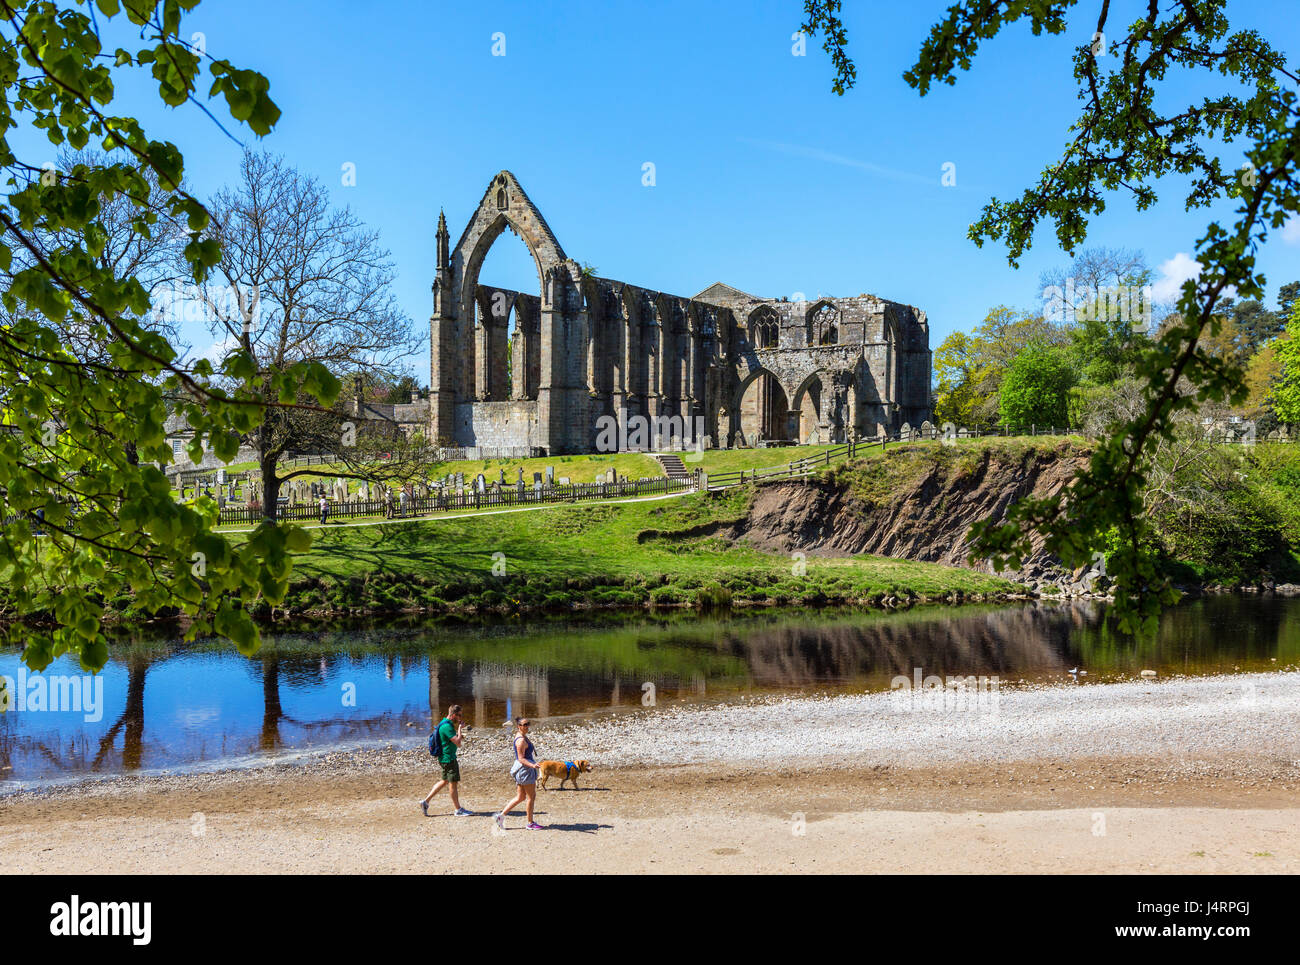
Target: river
x=162, y=704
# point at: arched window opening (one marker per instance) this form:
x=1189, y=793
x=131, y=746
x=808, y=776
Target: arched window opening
x=764, y=329
x=506, y=345
x=764, y=411
x=823, y=325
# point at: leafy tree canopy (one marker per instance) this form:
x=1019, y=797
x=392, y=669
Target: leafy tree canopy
x=1286, y=388
x=1134, y=130
x=88, y=515
x=1037, y=388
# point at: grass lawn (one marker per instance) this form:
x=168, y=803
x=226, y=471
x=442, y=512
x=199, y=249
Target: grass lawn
x=733, y=460
x=663, y=552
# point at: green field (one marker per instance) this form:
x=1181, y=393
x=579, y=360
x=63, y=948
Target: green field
x=664, y=552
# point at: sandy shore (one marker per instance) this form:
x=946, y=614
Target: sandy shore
x=1195, y=775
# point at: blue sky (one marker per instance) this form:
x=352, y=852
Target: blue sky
x=764, y=178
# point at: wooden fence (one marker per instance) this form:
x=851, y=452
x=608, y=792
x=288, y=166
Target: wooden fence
x=806, y=465
x=509, y=495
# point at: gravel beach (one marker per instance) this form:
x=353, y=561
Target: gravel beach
x=1189, y=716
x=1187, y=775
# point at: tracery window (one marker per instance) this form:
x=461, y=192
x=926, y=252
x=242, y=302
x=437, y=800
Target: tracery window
x=823, y=326
x=764, y=329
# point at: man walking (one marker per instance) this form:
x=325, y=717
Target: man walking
x=450, y=733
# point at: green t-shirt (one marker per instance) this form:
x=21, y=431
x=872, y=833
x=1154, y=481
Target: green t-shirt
x=446, y=731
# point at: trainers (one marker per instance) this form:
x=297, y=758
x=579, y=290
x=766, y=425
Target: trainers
x=424, y=806
x=500, y=819
x=462, y=813
x=534, y=826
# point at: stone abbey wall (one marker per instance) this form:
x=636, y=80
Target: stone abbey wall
x=510, y=369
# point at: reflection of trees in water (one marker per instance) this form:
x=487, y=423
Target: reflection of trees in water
x=1002, y=642
x=74, y=756
x=1202, y=634
x=131, y=721
x=786, y=653
x=272, y=712
x=309, y=672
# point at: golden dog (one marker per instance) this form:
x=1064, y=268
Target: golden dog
x=568, y=770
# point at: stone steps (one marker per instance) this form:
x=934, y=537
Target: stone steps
x=674, y=468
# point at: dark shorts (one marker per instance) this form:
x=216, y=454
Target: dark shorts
x=451, y=771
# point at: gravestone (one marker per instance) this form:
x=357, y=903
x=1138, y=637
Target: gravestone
x=537, y=480
x=480, y=483
x=564, y=480
x=550, y=475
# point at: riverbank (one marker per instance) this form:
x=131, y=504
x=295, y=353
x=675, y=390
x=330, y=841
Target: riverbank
x=678, y=552
x=1190, y=775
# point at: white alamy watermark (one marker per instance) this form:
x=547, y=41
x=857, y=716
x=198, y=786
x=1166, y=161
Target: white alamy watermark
x=1076, y=302
x=622, y=432
x=73, y=918
x=54, y=694
x=181, y=302
x=951, y=694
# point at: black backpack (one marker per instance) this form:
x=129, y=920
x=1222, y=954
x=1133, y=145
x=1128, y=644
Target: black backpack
x=435, y=741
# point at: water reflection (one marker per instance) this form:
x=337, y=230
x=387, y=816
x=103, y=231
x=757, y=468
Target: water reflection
x=171, y=704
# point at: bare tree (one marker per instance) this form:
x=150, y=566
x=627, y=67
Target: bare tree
x=1100, y=267
x=301, y=280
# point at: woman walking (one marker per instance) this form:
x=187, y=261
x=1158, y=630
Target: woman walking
x=524, y=771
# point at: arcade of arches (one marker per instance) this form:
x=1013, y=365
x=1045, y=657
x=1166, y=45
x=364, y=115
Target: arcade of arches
x=544, y=372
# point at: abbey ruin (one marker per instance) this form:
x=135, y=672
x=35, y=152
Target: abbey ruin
x=551, y=372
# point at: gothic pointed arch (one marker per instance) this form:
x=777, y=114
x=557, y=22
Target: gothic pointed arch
x=822, y=323
x=764, y=327
x=504, y=205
